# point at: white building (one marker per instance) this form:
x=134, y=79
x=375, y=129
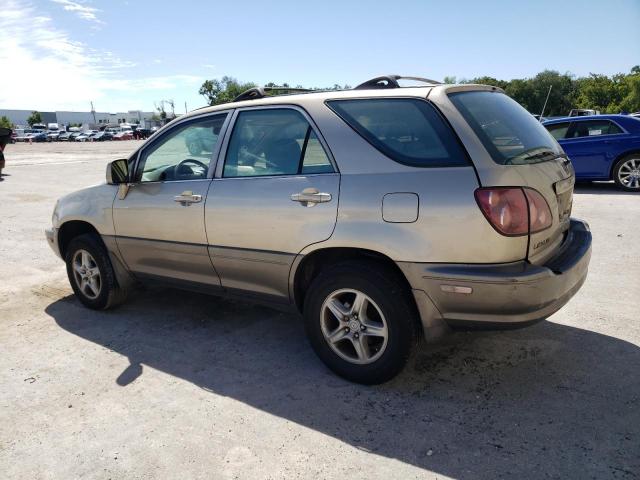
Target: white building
x=86, y=119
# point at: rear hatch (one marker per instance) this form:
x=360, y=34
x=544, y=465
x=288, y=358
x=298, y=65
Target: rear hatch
x=522, y=154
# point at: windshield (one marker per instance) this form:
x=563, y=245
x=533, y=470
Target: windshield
x=511, y=135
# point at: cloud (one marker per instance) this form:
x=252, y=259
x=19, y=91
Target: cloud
x=83, y=11
x=44, y=68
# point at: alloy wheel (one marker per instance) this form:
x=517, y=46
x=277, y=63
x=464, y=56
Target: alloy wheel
x=629, y=173
x=87, y=274
x=353, y=326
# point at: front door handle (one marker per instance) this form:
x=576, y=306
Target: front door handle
x=310, y=196
x=186, y=198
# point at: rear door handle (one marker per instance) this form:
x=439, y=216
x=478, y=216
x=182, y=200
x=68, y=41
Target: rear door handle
x=310, y=196
x=187, y=197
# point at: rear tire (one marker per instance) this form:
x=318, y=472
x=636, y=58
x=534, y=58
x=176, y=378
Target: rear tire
x=91, y=274
x=626, y=173
x=368, y=345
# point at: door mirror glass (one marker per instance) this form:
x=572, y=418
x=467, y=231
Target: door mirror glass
x=118, y=172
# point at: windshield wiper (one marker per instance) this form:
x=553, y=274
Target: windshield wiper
x=541, y=152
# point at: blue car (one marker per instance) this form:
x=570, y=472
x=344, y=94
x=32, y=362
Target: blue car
x=601, y=147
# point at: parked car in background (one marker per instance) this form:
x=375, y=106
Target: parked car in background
x=102, y=136
x=74, y=136
x=40, y=127
x=36, y=136
x=141, y=133
x=602, y=147
x=124, y=135
x=64, y=136
x=454, y=207
x=21, y=134
x=583, y=112
x=53, y=136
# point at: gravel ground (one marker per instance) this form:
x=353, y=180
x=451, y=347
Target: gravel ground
x=180, y=385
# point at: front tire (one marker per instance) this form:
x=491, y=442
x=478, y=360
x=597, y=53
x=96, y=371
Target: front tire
x=626, y=173
x=91, y=274
x=360, y=321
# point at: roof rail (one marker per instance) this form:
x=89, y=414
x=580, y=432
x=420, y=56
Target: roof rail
x=391, y=81
x=261, y=92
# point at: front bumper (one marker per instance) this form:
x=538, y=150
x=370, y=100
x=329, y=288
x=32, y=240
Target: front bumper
x=514, y=293
x=52, y=240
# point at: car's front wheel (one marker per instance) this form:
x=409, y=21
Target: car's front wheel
x=626, y=173
x=360, y=321
x=91, y=274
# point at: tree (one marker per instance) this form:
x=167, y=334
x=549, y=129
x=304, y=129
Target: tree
x=34, y=118
x=223, y=90
x=5, y=122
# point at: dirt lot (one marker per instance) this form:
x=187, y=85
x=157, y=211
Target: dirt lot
x=179, y=385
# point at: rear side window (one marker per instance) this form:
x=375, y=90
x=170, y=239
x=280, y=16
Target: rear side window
x=558, y=130
x=409, y=131
x=274, y=141
x=594, y=128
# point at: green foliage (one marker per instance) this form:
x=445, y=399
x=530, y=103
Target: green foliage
x=619, y=93
x=34, y=118
x=223, y=90
x=5, y=122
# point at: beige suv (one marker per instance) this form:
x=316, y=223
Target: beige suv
x=382, y=213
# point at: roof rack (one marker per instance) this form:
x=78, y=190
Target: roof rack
x=261, y=92
x=391, y=81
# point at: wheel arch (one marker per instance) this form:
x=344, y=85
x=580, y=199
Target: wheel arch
x=72, y=229
x=307, y=268
x=619, y=157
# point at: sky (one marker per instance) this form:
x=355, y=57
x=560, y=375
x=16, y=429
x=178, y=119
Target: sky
x=132, y=54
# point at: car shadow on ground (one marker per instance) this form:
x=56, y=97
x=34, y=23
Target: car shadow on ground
x=600, y=188
x=548, y=400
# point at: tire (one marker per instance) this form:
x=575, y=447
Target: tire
x=389, y=303
x=629, y=169
x=109, y=293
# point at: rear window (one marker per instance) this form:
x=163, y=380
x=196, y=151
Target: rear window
x=594, y=128
x=511, y=135
x=409, y=131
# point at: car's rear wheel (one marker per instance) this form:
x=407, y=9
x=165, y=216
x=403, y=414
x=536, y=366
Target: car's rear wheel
x=91, y=274
x=360, y=321
x=626, y=173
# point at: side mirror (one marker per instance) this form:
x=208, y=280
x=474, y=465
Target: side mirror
x=118, y=172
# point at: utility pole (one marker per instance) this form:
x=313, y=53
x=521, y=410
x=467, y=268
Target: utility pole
x=185, y=108
x=93, y=112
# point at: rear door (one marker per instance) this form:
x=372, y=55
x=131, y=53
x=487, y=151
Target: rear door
x=275, y=193
x=590, y=145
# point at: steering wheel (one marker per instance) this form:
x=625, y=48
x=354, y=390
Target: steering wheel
x=177, y=169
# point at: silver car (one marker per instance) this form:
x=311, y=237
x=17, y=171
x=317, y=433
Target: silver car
x=383, y=214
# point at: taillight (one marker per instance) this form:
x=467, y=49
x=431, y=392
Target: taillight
x=539, y=211
x=514, y=211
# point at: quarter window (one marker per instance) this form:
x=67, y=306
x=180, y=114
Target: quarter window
x=275, y=141
x=184, y=153
x=409, y=131
x=594, y=128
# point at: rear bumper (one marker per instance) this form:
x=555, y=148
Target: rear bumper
x=498, y=295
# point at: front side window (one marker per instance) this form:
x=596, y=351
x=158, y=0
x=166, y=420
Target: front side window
x=274, y=141
x=558, y=130
x=510, y=134
x=594, y=128
x=407, y=130
x=183, y=153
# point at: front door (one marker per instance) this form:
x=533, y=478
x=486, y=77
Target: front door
x=275, y=194
x=159, y=224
